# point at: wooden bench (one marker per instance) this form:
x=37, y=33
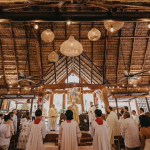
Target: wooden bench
x=119, y=142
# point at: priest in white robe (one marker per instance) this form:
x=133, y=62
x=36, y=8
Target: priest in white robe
x=52, y=118
x=26, y=105
x=91, y=113
x=135, y=117
x=36, y=132
x=69, y=133
x=113, y=124
x=100, y=133
x=14, y=118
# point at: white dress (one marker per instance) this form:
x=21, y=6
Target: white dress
x=91, y=113
x=36, y=134
x=100, y=136
x=23, y=137
x=69, y=135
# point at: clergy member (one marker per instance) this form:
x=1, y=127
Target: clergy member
x=52, y=118
x=36, y=132
x=91, y=113
x=113, y=125
x=74, y=109
x=135, y=117
x=26, y=105
x=14, y=118
x=69, y=133
x=99, y=133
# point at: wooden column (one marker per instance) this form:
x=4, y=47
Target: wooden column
x=16, y=106
x=117, y=107
x=129, y=107
x=105, y=98
x=63, y=104
x=137, y=106
x=51, y=100
x=82, y=101
x=147, y=104
x=31, y=107
x=9, y=105
x=94, y=95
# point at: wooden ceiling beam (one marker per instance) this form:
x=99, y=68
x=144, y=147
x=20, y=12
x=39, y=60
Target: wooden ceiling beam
x=135, y=96
x=73, y=16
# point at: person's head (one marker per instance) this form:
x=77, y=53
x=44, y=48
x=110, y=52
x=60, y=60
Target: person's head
x=11, y=114
x=14, y=111
x=98, y=113
x=69, y=114
x=126, y=115
x=35, y=106
x=28, y=101
x=141, y=110
x=121, y=112
x=126, y=108
x=110, y=109
x=144, y=121
x=91, y=103
x=133, y=112
x=38, y=113
x=7, y=118
x=27, y=115
x=1, y=116
x=53, y=106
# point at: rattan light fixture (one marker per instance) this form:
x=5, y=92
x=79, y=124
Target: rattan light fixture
x=47, y=35
x=113, y=26
x=53, y=56
x=94, y=34
x=71, y=47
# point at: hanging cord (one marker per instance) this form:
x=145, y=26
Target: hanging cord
x=27, y=49
x=73, y=64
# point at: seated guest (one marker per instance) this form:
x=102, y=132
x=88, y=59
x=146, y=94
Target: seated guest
x=129, y=131
x=145, y=132
x=1, y=118
x=23, y=137
x=36, y=132
x=69, y=133
x=5, y=133
x=99, y=133
x=126, y=109
x=11, y=122
x=14, y=118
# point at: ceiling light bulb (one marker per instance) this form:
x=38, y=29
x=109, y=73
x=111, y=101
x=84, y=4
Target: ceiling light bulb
x=0, y=76
x=68, y=22
x=10, y=82
x=111, y=29
x=130, y=82
x=18, y=92
x=138, y=78
x=149, y=26
x=123, y=85
x=36, y=26
x=18, y=86
x=10, y=86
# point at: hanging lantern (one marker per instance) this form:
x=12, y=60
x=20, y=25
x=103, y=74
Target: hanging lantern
x=113, y=26
x=47, y=35
x=53, y=56
x=94, y=34
x=71, y=47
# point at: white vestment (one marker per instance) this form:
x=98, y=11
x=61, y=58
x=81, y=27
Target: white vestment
x=121, y=121
x=14, y=118
x=25, y=106
x=136, y=118
x=100, y=136
x=36, y=134
x=69, y=135
x=91, y=113
x=113, y=126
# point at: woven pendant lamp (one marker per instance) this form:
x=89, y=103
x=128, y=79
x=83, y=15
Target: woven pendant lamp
x=113, y=26
x=53, y=56
x=94, y=34
x=71, y=47
x=47, y=35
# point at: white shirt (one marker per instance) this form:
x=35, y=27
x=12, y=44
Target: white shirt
x=129, y=131
x=136, y=118
x=14, y=118
x=4, y=133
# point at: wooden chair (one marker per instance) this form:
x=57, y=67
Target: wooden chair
x=119, y=142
